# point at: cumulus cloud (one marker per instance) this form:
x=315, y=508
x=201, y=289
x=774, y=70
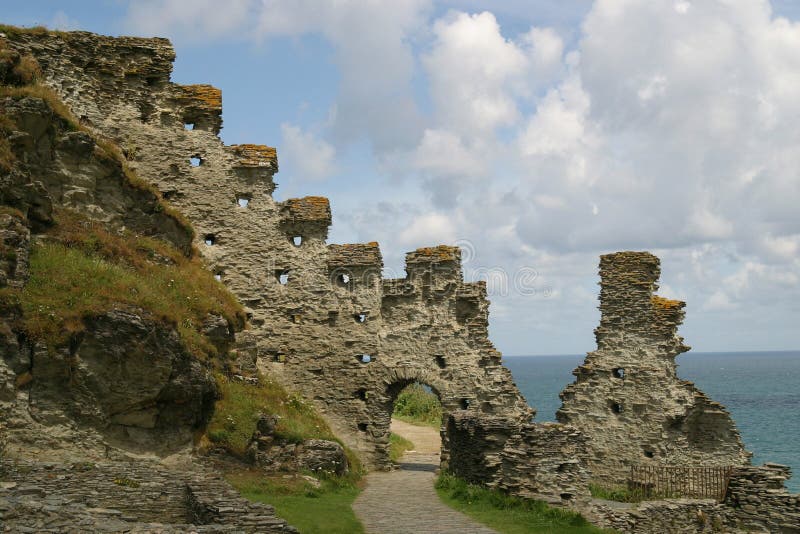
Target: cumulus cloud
x=192, y=20
x=309, y=157
x=656, y=124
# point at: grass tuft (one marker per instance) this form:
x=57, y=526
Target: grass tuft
x=84, y=271
x=418, y=406
x=509, y=514
x=398, y=445
x=623, y=494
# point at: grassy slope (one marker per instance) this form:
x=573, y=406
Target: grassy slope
x=507, y=514
x=84, y=270
x=326, y=510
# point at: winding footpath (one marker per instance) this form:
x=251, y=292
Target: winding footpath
x=404, y=501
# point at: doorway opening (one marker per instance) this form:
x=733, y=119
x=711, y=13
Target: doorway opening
x=415, y=439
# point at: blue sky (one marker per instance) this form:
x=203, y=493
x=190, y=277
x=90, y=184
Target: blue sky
x=535, y=134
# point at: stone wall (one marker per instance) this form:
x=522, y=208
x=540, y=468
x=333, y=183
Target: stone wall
x=125, y=497
x=544, y=461
x=760, y=499
x=627, y=399
x=315, y=310
x=756, y=501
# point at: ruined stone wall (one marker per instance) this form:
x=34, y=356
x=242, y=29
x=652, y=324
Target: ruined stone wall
x=125, y=497
x=315, y=309
x=542, y=461
x=756, y=501
x=627, y=399
x=760, y=500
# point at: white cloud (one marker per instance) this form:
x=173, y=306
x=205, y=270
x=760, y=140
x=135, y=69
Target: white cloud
x=309, y=157
x=471, y=67
x=656, y=124
x=430, y=229
x=193, y=20
x=63, y=22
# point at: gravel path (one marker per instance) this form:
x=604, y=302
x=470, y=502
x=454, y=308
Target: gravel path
x=404, y=501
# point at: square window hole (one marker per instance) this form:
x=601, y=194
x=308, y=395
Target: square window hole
x=282, y=276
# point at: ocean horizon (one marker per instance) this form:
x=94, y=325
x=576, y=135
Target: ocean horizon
x=761, y=390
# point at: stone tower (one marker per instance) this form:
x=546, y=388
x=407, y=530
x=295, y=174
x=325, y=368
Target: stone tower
x=627, y=399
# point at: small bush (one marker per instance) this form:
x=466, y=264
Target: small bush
x=417, y=405
x=27, y=70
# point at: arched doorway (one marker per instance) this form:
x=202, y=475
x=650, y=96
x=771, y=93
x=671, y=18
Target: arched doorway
x=416, y=428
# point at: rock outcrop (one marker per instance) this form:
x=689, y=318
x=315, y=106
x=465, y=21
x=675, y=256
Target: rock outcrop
x=627, y=399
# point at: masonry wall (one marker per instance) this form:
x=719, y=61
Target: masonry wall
x=315, y=310
x=542, y=461
x=756, y=501
x=627, y=399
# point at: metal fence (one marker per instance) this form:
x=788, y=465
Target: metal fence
x=662, y=481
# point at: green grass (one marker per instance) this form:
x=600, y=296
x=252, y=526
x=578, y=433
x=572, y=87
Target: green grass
x=238, y=409
x=397, y=446
x=84, y=271
x=623, y=494
x=324, y=510
x=508, y=514
x=417, y=406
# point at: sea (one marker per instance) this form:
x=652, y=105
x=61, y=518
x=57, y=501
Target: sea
x=761, y=390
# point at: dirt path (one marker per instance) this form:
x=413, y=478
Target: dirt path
x=404, y=501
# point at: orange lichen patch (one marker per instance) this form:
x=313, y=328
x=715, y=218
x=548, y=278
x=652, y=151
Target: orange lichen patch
x=307, y=209
x=666, y=304
x=206, y=96
x=256, y=155
x=436, y=254
x=353, y=255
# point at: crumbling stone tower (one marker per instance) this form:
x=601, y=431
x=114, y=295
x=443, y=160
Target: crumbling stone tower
x=627, y=399
x=322, y=320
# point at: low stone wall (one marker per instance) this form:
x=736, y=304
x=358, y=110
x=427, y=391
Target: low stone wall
x=756, y=501
x=760, y=500
x=124, y=497
x=545, y=462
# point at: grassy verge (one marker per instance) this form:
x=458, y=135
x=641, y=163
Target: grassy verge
x=623, y=494
x=397, y=446
x=507, y=514
x=85, y=271
x=418, y=406
x=323, y=510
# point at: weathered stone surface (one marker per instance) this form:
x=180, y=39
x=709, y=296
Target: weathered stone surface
x=273, y=454
x=627, y=399
x=136, y=496
x=542, y=461
x=314, y=309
